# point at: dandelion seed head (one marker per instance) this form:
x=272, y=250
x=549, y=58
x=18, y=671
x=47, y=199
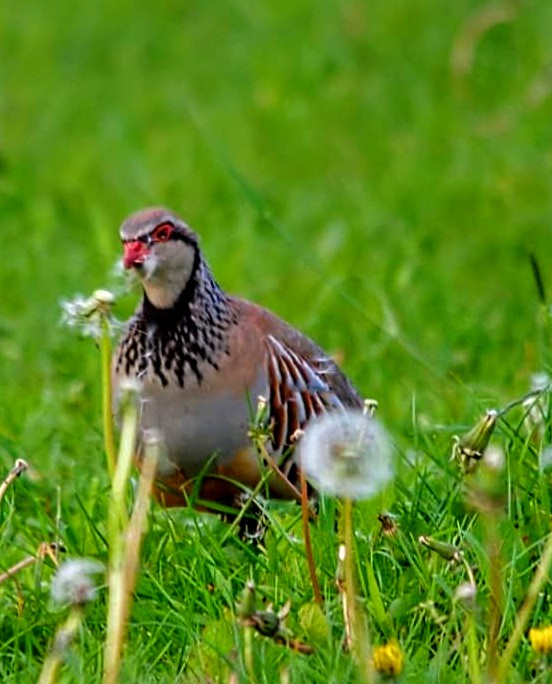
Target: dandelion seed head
x=347, y=453
x=73, y=582
x=86, y=314
x=118, y=270
x=494, y=458
x=545, y=458
x=540, y=381
x=126, y=280
x=130, y=386
x=465, y=592
x=72, y=310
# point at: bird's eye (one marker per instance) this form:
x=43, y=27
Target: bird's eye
x=162, y=233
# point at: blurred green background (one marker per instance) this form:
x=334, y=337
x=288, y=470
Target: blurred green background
x=375, y=172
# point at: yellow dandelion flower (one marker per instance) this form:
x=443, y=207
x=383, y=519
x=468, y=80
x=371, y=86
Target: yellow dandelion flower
x=388, y=659
x=541, y=639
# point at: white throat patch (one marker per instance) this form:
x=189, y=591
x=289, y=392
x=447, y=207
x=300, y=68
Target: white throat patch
x=165, y=275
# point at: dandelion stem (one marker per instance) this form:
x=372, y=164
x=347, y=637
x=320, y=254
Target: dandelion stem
x=248, y=652
x=127, y=561
x=120, y=585
x=118, y=513
x=358, y=632
x=107, y=399
x=469, y=572
x=473, y=648
x=243, y=509
x=495, y=585
x=63, y=638
x=139, y=514
x=125, y=568
x=521, y=400
x=246, y=613
x=539, y=578
x=293, y=492
x=348, y=571
x=340, y=582
x=269, y=472
x=305, y=513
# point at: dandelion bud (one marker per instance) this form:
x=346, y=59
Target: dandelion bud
x=260, y=429
x=20, y=467
x=389, y=526
x=266, y=622
x=246, y=607
x=395, y=539
x=469, y=448
x=446, y=551
x=371, y=406
x=296, y=436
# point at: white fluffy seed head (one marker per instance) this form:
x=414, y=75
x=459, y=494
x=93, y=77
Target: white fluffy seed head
x=545, y=458
x=540, y=381
x=347, y=454
x=73, y=582
x=494, y=458
x=86, y=314
x=466, y=592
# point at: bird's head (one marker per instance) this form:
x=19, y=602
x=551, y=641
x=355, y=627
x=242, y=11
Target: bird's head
x=162, y=250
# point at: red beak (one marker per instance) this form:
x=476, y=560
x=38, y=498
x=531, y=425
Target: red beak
x=135, y=253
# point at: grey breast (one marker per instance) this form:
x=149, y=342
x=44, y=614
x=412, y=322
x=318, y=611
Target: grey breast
x=197, y=423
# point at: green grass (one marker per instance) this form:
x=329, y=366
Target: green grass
x=339, y=172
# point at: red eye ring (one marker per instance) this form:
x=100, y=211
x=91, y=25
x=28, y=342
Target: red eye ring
x=162, y=232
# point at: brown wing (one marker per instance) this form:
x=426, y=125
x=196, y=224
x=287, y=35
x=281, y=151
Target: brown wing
x=297, y=391
x=303, y=381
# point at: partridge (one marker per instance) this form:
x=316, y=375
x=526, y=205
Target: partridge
x=203, y=358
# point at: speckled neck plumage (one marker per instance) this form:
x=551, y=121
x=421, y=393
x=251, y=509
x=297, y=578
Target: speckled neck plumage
x=173, y=345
